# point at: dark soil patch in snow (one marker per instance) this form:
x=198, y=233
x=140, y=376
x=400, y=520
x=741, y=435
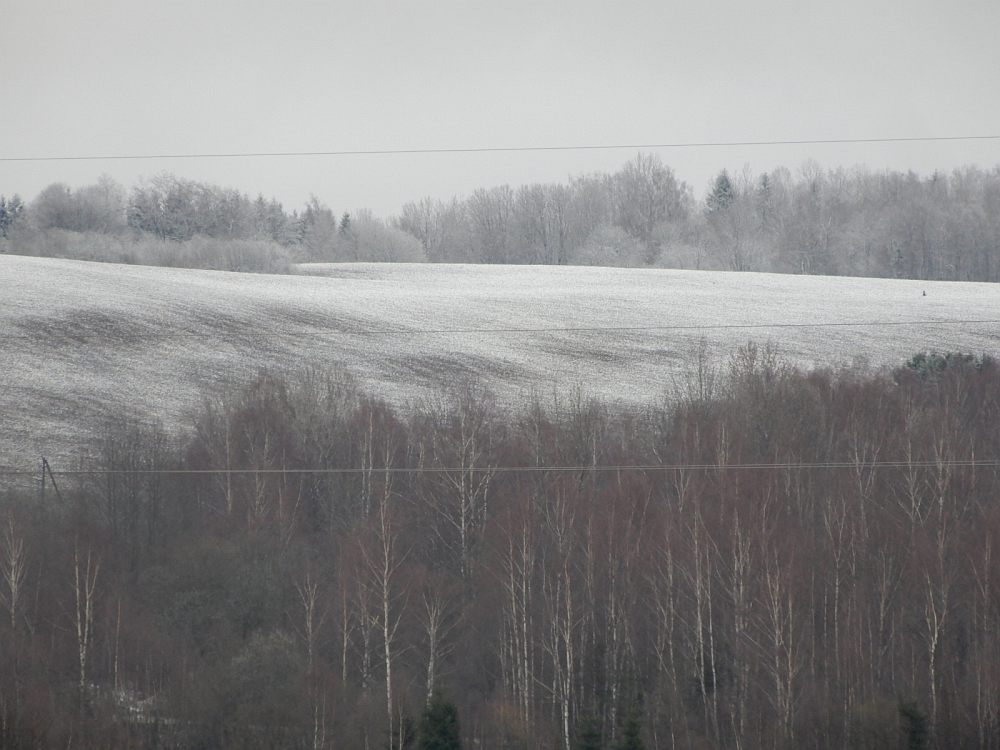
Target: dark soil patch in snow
x=89, y=328
x=447, y=372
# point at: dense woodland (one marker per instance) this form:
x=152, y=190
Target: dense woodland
x=776, y=559
x=841, y=222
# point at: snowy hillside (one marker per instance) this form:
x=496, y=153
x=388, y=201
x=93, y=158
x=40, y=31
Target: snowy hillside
x=80, y=340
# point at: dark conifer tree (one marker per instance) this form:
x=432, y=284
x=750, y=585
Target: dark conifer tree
x=722, y=195
x=630, y=732
x=588, y=733
x=914, y=725
x=438, y=728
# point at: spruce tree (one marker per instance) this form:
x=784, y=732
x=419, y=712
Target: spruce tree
x=914, y=725
x=721, y=197
x=630, y=735
x=438, y=728
x=588, y=733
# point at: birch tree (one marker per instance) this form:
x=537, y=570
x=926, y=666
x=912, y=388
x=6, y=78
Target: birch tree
x=85, y=572
x=13, y=570
x=516, y=558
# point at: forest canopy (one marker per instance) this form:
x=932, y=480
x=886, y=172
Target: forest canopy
x=780, y=558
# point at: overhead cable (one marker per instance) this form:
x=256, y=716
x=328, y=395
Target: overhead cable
x=856, y=465
x=498, y=149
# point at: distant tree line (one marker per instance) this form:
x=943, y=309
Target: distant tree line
x=169, y=221
x=841, y=222
x=858, y=223
x=813, y=565
x=163, y=221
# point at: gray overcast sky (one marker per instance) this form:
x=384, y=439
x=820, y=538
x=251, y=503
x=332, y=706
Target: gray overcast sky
x=214, y=76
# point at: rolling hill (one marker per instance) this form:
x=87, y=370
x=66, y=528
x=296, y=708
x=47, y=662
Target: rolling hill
x=80, y=340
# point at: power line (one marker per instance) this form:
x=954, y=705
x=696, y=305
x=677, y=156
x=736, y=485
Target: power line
x=856, y=465
x=499, y=149
x=429, y=331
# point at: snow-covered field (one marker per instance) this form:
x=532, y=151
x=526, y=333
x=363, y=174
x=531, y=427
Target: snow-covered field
x=81, y=340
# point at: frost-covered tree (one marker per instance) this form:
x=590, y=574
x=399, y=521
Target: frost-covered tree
x=318, y=229
x=646, y=194
x=609, y=245
x=372, y=239
x=722, y=195
x=11, y=209
x=490, y=213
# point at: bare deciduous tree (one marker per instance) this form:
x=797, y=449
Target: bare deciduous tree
x=85, y=572
x=14, y=570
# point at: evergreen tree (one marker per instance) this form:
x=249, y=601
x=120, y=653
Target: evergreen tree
x=588, y=733
x=630, y=735
x=10, y=211
x=721, y=197
x=765, y=201
x=438, y=728
x=914, y=725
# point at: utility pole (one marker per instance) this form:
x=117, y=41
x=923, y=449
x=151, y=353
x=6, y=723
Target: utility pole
x=48, y=469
